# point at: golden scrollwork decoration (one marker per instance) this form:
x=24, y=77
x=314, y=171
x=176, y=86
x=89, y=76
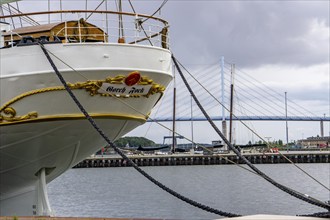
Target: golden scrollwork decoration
x=9, y=115
x=94, y=87
x=115, y=80
x=156, y=89
x=90, y=86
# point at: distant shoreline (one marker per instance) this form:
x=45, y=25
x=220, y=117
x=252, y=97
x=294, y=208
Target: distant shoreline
x=184, y=159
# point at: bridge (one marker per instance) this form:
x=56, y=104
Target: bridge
x=245, y=118
x=220, y=84
x=252, y=100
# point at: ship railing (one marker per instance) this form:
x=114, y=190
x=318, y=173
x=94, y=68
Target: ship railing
x=79, y=35
x=117, y=27
x=10, y=42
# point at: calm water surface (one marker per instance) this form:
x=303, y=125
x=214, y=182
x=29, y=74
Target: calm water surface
x=123, y=192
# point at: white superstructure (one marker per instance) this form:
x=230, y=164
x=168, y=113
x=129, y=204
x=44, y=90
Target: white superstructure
x=42, y=131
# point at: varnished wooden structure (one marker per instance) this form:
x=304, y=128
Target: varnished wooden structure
x=80, y=31
x=69, y=31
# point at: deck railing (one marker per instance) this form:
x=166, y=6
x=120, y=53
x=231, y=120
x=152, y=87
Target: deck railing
x=117, y=27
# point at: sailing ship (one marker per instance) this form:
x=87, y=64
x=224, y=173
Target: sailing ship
x=116, y=63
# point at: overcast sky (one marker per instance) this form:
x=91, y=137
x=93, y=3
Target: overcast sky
x=251, y=33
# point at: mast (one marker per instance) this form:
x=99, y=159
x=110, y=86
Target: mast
x=121, y=38
x=286, y=120
x=106, y=17
x=2, y=14
x=86, y=6
x=173, y=120
x=192, y=122
x=224, y=124
x=48, y=10
x=321, y=127
x=231, y=103
x=61, y=10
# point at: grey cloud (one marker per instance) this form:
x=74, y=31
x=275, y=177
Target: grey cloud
x=250, y=33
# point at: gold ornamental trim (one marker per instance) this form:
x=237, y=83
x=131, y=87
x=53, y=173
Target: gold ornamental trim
x=93, y=87
x=75, y=117
x=30, y=93
x=9, y=115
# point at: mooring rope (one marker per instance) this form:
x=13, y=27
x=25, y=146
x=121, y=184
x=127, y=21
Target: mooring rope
x=153, y=120
x=130, y=162
x=318, y=214
x=255, y=133
x=177, y=195
x=286, y=189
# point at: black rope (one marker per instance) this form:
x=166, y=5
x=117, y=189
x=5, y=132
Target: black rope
x=130, y=162
x=292, y=192
x=318, y=214
x=140, y=23
x=160, y=7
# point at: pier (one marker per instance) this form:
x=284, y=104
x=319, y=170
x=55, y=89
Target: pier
x=199, y=159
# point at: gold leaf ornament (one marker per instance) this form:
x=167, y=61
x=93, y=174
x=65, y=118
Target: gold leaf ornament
x=9, y=115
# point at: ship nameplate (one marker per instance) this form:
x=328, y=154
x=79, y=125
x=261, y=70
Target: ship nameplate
x=124, y=90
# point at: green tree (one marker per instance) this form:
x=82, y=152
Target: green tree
x=134, y=142
x=280, y=142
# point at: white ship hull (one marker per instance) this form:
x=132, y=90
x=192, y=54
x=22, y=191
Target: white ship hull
x=41, y=128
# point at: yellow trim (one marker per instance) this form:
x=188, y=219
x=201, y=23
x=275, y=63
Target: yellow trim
x=91, y=86
x=75, y=117
x=11, y=115
x=33, y=92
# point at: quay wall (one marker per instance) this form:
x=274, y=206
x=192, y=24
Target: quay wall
x=197, y=159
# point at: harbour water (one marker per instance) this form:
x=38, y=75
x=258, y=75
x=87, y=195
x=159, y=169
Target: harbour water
x=123, y=192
